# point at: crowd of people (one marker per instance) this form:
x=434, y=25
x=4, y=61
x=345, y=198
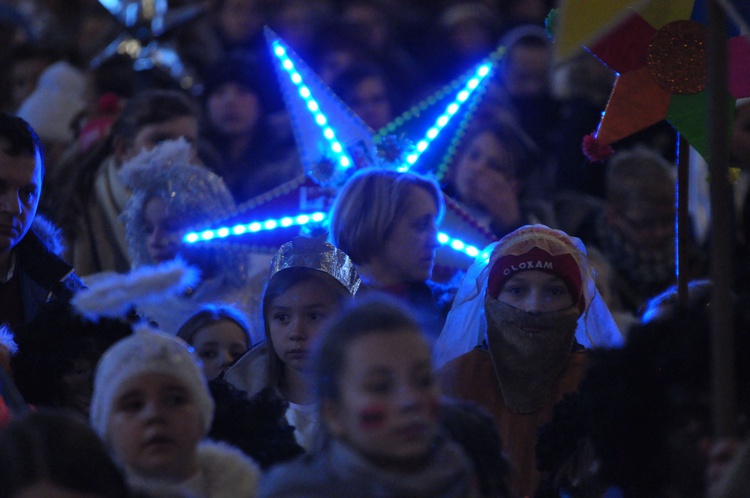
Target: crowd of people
x=561, y=362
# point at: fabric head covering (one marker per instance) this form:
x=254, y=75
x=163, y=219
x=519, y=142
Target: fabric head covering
x=57, y=100
x=147, y=351
x=466, y=326
x=192, y=192
x=319, y=255
x=562, y=266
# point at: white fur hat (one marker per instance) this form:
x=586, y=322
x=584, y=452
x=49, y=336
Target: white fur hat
x=56, y=101
x=147, y=351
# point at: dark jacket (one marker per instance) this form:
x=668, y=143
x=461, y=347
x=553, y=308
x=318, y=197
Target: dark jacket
x=44, y=275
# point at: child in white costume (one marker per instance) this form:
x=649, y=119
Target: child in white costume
x=465, y=327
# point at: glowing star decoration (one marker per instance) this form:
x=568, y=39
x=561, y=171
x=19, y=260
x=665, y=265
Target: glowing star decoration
x=265, y=222
x=334, y=142
x=147, y=24
x=324, y=127
x=660, y=57
x=438, y=123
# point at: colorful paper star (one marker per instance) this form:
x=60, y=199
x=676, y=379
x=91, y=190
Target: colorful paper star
x=658, y=52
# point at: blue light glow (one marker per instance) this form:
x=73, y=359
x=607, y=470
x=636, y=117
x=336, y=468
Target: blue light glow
x=253, y=227
x=286, y=222
x=300, y=220
x=340, y=155
x=457, y=245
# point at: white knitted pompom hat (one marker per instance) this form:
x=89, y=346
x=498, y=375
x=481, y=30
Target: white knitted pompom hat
x=147, y=351
x=58, y=99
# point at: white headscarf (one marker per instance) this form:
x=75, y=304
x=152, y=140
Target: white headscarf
x=466, y=327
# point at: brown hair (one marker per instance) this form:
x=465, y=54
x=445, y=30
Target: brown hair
x=368, y=206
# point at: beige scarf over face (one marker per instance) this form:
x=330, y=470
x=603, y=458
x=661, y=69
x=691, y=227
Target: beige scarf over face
x=527, y=364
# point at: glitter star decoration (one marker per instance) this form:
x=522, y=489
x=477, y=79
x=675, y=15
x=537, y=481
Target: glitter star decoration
x=658, y=51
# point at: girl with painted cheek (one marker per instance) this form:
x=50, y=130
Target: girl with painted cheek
x=379, y=407
x=220, y=335
x=309, y=283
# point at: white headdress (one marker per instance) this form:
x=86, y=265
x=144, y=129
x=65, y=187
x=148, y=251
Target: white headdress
x=466, y=327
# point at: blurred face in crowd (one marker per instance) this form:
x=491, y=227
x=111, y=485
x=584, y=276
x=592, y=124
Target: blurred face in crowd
x=218, y=345
x=240, y=20
x=234, y=109
x=536, y=291
x=155, y=426
x=370, y=102
x=388, y=403
x=484, y=155
x=152, y=135
x=528, y=71
x=20, y=188
x=648, y=224
x=408, y=254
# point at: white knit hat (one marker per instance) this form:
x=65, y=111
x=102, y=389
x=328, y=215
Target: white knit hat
x=147, y=351
x=55, y=103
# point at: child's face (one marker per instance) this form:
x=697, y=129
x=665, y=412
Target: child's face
x=234, y=110
x=295, y=319
x=388, y=405
x=155, y=426
x=218, y=344
x=536, y=291
x=163, y=232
